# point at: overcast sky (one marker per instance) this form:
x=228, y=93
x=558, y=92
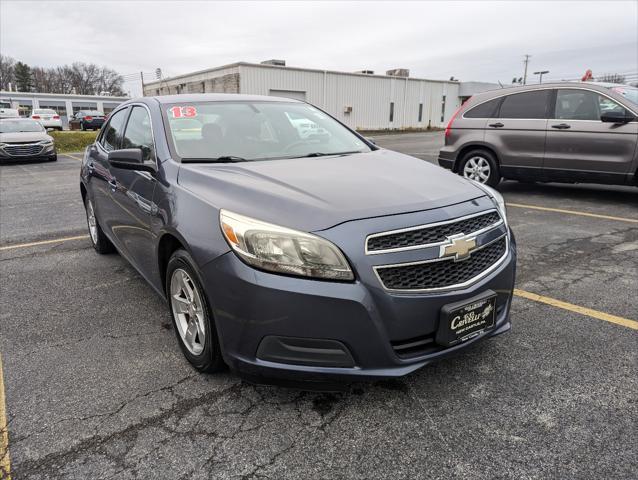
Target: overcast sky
x=483, y=41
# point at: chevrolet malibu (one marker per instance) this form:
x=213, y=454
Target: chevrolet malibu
x=297, y=258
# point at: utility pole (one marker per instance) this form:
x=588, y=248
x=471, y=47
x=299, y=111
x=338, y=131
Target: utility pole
x=526, y=61
x=541, y=73
x=142, y=78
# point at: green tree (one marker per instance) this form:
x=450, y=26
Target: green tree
x=22, y=74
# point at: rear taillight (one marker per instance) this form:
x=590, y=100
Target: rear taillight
x=35, y=117
x=56, y=117
x=88, y=119
x=448, y=129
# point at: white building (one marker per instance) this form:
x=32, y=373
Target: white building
x=64, y=105
x=364, y=101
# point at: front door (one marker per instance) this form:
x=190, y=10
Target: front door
x=132, y=197
x=517, y=133
x=580, y=146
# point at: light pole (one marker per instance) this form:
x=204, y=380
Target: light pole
x=541, y=75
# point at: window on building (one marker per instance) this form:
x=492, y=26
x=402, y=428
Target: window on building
x=83, y=106
x=391, y=111
x=59, y=108
x=443, y=109
x=420, y=112
x=526, y=105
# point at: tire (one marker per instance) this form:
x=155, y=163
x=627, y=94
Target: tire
x=192, y=315
x=54, y=158
x=480, y=165
x=100, y=242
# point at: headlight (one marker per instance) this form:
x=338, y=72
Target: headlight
x=496, y=197
x=282, y=250
x=46, y=142
x=2, y=145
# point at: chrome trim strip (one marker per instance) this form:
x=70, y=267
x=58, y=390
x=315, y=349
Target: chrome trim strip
x=456, y=286
x=431, y=225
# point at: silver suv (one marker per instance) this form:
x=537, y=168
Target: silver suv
x=565, y=132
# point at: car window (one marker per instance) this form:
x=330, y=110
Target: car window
x=113, y=132
x=526, y=105
x=139, y=134
x=256, y=130
x=573, y=104
x=44, y=111
x=484, y=110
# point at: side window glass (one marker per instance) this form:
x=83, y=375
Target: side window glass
x=113, y=131
x=484, y=110
x=139, y=133
x=573, y=104
x=607, y=105
x=526, y=105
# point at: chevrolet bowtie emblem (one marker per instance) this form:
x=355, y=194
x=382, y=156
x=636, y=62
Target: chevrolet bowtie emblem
x=458, y=246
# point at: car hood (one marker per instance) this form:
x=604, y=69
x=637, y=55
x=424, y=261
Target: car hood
x=18, y=137
x=313, y=194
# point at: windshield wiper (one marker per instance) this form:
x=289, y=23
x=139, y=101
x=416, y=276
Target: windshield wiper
x=222, y=159
x=323, y=154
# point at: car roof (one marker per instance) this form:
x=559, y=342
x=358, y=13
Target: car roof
x=218, y=97
x=506, y=90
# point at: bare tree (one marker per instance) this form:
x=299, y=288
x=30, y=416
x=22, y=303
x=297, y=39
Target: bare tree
x=7, y=65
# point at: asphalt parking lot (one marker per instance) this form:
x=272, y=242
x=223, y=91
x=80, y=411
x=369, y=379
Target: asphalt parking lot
x=96, y=386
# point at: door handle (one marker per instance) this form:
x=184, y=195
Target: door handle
x=562, y=126
x=496, y=125
x=90, y=167
x=113, y=184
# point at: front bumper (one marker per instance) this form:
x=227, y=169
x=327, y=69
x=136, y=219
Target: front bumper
x=15, y=152
x=251, y=307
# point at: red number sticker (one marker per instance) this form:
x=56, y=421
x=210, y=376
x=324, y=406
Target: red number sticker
x=183, y=112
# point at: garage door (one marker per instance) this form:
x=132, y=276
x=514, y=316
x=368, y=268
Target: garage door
x=297, y=95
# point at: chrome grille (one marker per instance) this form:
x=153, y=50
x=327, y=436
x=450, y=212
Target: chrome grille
x=443, y=273
x=418, y=237
x=23, y=150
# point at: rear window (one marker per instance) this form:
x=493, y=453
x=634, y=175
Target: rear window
x=484, y=110
x=44, y=111
x=526, y=105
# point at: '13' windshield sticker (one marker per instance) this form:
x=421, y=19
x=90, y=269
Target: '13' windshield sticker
x=183, y=112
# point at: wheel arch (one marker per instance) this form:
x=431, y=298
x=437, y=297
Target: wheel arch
x=168, y=244
x=474, y=146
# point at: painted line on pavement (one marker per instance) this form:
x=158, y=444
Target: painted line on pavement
x=573, y=212
x=625, y=322
x=43, y=242
x=5, y=463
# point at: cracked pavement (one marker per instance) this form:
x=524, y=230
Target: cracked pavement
x=97, y=387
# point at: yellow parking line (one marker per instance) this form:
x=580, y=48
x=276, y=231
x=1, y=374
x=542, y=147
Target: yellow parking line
x=43, y=242
x=573, y=212
x=5, y=464
x=72, y=156
x=625, y=322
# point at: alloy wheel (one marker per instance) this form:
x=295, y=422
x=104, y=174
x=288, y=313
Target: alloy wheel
x=478, y=169
x=188, y=311
x=90, y=218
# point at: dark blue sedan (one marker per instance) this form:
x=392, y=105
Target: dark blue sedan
x=290, y=255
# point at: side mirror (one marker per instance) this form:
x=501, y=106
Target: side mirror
x=617, y=117
x=130, y=159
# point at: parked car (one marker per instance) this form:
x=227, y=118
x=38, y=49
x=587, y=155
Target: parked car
x=298, y=258
x=49, y=118
x=25, y=139
x=89, y=119
x=565, y=132
x=9, y=113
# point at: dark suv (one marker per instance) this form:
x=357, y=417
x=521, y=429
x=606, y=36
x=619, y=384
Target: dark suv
x=566, y=132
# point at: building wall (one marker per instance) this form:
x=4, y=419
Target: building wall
x=360, y=101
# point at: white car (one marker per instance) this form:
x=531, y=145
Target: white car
x=47, y=117
x=9, y=113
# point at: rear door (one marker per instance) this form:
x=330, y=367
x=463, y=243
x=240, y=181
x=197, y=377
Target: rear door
x=580, y=147
x=517, y=133
x=132, y=196
x=101, y=181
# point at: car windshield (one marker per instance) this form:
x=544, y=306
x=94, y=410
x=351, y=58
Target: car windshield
x=630, y=93
x=15, y=126
x=238, y=131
